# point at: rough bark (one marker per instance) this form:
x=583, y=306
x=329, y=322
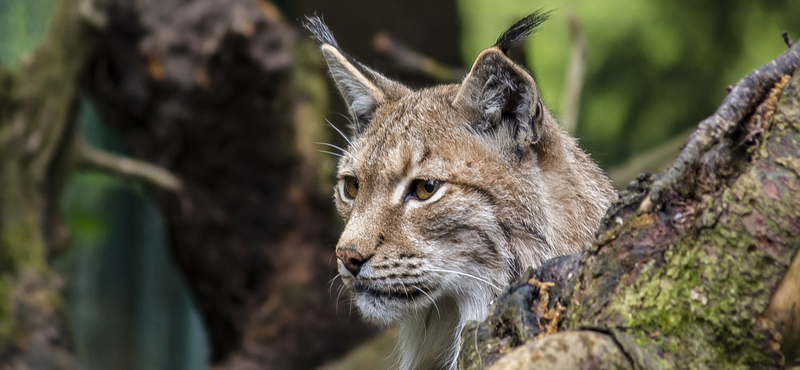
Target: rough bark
x=700, y=278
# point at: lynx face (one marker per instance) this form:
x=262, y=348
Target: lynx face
x=449, y=192
x=418, y=190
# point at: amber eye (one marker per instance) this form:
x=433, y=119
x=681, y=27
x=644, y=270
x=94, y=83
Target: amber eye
x=351, y=187
x=423, y=189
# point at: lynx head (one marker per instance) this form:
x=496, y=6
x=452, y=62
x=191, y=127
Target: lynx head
x=450, y=191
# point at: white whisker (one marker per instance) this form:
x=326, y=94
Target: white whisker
x=330, y=284
x=341, y=288
x=431, y=298
x=404, y=288
x=347, y=139
x=350, y=313
x=350, y=121
x=332, y=146
x=355, y=118
x=468, y=275
x=353, y=122
x=331, y=153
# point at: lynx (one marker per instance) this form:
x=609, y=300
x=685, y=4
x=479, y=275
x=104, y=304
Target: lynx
x=449, y=192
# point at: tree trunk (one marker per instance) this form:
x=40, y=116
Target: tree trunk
x=692, y=269
x=37, y=126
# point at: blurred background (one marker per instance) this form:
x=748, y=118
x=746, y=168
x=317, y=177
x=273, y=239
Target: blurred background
x=629, y=78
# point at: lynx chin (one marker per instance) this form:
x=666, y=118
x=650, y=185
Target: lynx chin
x=450, y=192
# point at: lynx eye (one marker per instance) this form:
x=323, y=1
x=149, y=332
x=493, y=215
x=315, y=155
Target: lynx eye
x=351, y=186
x=423, y=189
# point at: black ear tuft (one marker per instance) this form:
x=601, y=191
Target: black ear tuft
x=361, y=87
x=521, y=30
x=319, y=31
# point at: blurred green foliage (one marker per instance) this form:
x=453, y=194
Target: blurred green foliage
x=21, y=27
x=653, y=68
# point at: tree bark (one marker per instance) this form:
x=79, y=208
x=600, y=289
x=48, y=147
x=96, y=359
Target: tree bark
x=697, y=276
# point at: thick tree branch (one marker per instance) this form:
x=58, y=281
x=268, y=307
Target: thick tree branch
x=784, y=310
x=570, y=350
x=739, y=103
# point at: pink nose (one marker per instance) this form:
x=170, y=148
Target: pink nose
x=351, y=259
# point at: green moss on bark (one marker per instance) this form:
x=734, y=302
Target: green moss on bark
x=699, y=300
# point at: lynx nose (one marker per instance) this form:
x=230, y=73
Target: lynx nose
x=351, y=259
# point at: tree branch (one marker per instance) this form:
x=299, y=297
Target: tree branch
x=650, y=161
x=741, y=101
x=567, y=350
x=414, y=61
x=787, y=39
x=576, y=73
x=93, y=159
x=92, y=15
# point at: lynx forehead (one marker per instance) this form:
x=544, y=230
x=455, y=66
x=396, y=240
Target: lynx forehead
x=449, y=192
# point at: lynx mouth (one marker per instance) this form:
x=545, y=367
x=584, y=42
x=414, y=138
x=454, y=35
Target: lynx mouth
x=392, y=303
x=403, y=292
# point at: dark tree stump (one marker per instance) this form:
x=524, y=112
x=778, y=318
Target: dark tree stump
x=214, y=92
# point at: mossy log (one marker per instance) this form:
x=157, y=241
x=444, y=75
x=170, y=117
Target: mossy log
x=706, y=276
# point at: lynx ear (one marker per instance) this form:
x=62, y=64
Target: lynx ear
x=502, y=93
x=362, y=88
x=360, y=94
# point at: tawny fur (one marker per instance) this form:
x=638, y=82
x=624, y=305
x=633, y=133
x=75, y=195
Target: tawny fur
x=515, y=190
